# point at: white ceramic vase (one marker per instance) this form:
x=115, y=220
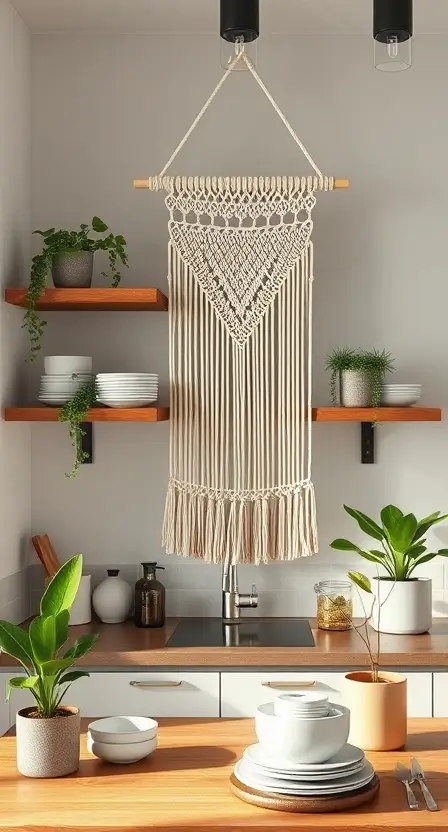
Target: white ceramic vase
x=112, y=599
x=405, y=607
x=355, y=389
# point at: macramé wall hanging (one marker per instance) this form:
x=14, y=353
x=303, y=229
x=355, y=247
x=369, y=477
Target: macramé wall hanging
x=241, y=279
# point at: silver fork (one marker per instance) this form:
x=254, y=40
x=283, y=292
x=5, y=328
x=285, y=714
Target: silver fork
x=403, y=775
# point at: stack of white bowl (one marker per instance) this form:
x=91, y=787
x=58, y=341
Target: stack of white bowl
x=127, y=389
x=303, y=749
x=400, y=395
x=122, y=739
x=64, y=375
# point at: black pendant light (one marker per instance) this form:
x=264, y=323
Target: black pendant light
x=393, y=26
x=239, y=29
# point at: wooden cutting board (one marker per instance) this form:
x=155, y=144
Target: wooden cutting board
x=308, y=805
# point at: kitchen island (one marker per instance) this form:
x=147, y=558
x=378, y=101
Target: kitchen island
x=184, y=786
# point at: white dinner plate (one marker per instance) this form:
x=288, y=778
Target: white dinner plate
x=348, y=756
x=247, y=776
x=127, y=376
x=127, y=402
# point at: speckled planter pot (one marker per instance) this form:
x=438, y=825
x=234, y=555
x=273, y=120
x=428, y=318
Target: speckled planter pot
x=355, y=389
x=48, y=747
x=73, y=269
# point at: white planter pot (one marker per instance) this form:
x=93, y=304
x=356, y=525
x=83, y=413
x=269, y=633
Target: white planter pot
x=48, y=747
x=355, y=389
x=406, y=606
x=81, y=611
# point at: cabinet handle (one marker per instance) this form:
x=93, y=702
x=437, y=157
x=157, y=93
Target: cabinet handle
x=288, y=685
x=156, y=684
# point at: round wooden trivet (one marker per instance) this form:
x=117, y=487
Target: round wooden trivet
x=289, y=803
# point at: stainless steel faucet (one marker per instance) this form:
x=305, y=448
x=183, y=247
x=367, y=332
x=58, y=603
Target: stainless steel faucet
x=232, y=601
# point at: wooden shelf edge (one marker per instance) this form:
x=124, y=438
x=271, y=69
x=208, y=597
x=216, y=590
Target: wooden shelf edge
x=98, y=414
x=100, y=300
x=378, y=414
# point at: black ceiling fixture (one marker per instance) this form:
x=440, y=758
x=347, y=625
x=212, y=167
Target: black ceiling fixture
x=239, y=29
x=393, y=27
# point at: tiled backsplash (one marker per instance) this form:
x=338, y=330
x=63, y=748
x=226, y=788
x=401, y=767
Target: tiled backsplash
x=285, y=589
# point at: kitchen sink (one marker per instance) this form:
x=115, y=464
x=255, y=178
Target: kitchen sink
x=214, y=632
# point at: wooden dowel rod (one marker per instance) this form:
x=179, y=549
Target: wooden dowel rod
x=145, y=184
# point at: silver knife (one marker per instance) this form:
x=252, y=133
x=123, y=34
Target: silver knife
x=404, y=776
x=419, y=775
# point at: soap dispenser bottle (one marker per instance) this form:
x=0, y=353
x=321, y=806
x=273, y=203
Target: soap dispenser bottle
x=149, y=598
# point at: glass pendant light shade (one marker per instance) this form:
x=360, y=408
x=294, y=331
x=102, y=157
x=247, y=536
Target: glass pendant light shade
x=240, y=29
x=393, y=30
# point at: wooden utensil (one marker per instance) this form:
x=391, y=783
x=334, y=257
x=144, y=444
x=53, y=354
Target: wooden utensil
x=44, y=555
x=50, y=548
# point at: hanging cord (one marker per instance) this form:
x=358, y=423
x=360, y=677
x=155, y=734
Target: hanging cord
x=242, y=55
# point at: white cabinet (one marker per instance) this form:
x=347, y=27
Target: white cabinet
x=241, y=693
x=144, y=694
x=440, y=694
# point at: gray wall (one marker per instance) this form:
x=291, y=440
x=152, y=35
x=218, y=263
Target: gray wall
x=106, y=109
x=15, y=199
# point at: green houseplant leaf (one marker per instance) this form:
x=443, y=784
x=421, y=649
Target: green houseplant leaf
x=81, y=646
x=73, y=676
x=425, y=525
x=15, y=642
x=98, y=225
x=61, y=591
x=23, y=682
x=42, y=633
x=366, y=524
x=361, y=581
x=61, y=626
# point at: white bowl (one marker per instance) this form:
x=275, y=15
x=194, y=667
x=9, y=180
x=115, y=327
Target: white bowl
x=121, y=753
x=67, y=364
x=123, y=729
x=302, y=740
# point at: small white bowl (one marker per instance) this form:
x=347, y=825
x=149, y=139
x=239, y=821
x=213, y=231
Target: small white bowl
x=57, y=364
x=119, y=753
x=123, y=729
x=299, y=740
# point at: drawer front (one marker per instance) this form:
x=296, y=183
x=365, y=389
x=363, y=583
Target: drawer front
x=440, y=694
x=241, y=693
x=144, y=694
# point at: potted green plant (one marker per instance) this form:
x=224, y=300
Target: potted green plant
x=357, y=376
x=405, y=600
x=377, y=699
x=69, y=256
x=48, y=731
x=74, y=412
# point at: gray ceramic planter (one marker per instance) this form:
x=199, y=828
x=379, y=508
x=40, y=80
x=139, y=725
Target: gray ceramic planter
x=48, y=747
x=73, y=269
x=355, y=389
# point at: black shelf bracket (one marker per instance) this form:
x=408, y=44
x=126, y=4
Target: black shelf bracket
x=87, y=441
x=367, y=443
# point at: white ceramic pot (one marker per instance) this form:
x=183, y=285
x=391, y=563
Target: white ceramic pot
x=81, y=611
x=112, y=599
x=48, y=747
x=355, y=389
x=302, y=740
x=406, y=606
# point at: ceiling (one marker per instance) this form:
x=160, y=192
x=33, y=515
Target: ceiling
x=202, y=16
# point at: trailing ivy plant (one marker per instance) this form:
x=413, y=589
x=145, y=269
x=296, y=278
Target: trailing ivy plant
x=374, y=364
x=74, y=412
x=58, y=242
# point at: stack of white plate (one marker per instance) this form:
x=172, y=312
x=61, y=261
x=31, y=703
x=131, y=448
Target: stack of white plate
x=127, y=389
x=64, y=376
x=303, y=705
x=122, y=739
x=400, y=395
x=347, y=771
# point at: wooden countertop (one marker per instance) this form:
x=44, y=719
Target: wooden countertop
x=184, y=786
x=124, y=645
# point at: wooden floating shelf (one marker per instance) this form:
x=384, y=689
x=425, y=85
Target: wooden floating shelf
x=377, y=414
x=93, y=300
x=161, y=414
x=97, y=414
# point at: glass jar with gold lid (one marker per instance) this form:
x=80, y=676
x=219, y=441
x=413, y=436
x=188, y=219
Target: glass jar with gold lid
x=334, y=605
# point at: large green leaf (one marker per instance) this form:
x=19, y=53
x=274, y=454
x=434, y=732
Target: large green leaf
x=366, y=524
x=390, y=516
x=42, y=633
x=16, y=642
x=343, y=545
x=427, y=523
x=53, y=667
x=72, y=676
x=402, y=534
x=61, y=622
x=361, y=581
x=21, y=682
x=61, y=592
x=416, y=551
x=81, y=646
